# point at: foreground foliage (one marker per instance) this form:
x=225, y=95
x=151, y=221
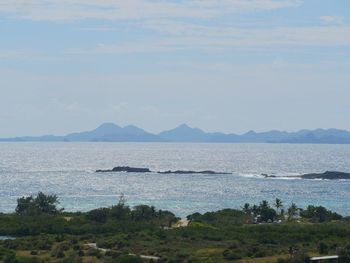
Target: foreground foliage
x=120, y=233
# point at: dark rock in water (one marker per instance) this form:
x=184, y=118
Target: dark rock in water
x=269, y=176
x=125, y=169
x=146, y=170
x=329, y=175
x=191, y=172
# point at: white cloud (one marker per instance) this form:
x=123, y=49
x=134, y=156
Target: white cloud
x=182, y=36
x=162, y=17
x=332, y=19
x=315, y=35
x=119, y=108
x=58, y=10
x=29, y=54
x=19, y=54
x=202, y=38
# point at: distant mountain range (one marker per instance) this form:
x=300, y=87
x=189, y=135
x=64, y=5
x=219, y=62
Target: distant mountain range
x=110, y=132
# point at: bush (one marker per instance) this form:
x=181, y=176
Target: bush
x=29, y=260
x=41, y=204
x=128, y=259
x=98, y=215
x=93, y=252
x=344, y=255
x=58, y=252
x=319, y=214
x=232, y=254
x=7, y=256
x=113, y=253
x=322, y=248
x=72, y=257
x=300, y=256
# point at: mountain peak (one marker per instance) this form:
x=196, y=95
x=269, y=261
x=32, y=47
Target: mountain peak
x=133, y=129
x=184, y=133
x=183, y=127
x=251, y=132
x=107, y=126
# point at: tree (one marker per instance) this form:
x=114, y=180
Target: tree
x=98, y=215
x=143, y=212
x=120, y=211
x=319, y=214
x=26, y=206
x=255, y=210
x=264, y=204
x=282, y=212
x=266, y=212
x=292, y=211
x=278, y=205
x=41, y=204
x=246, y=208
x=47, y=203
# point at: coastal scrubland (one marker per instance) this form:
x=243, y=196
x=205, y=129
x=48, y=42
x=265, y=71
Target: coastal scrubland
x=264, y=232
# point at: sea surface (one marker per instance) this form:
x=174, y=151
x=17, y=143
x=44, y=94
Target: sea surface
x=68, y=170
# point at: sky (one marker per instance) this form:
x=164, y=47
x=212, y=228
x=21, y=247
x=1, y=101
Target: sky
x=224, y=65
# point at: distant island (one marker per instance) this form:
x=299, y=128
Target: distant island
x=128, y=169
x=328, y=175
x=110, y=132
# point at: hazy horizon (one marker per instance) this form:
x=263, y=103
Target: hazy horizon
x=171, y=128
x=153, y=131
x=228, y=66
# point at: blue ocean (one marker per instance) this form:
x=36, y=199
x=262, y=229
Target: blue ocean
x=68, y=170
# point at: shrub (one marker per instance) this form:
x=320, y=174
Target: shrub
x=322, y=248
x=58, y=252
x=319, y=214
x=98, y=215
x=344, y=255
x=128, y=259
x=41, y=204
x=232, y=254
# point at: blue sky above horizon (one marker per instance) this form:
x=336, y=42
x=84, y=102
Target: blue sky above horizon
x=225, y=65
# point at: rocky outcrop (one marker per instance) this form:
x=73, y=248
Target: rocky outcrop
x=126, y=169
x=269, y=176
x=329, y=175
x=191, y=172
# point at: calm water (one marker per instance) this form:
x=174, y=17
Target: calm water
x=67, y=169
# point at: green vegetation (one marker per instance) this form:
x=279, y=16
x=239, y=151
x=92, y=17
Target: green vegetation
x=256, y=233
x=319, y=214
x=41, y=204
